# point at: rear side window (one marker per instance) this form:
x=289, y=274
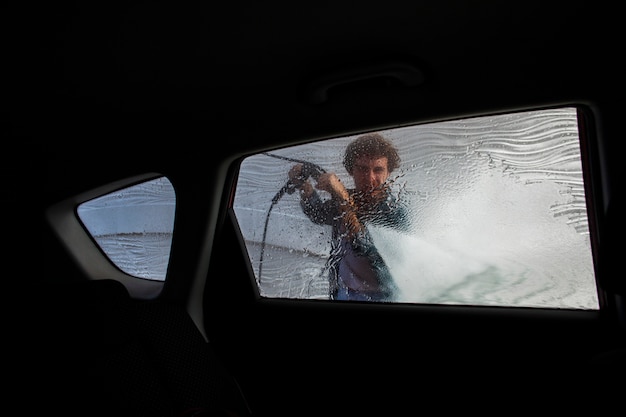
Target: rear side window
x=133, y=227
x=480, y=211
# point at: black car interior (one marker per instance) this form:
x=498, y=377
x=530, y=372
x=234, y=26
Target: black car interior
x=188, y=91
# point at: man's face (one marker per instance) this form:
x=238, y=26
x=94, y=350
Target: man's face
x=370, y=173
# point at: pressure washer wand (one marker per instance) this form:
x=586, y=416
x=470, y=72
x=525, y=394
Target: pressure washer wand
x=309, y=169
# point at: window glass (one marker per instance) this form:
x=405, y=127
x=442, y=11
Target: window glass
x=133, y=227
x=481, y=211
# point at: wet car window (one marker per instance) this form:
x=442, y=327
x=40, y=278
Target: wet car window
x=480, y=211
x=133, y=227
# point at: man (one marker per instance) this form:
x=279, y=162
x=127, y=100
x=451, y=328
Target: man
x=357, y=271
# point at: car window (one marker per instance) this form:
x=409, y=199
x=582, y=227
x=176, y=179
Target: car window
x=133, y=227
x=494, y=213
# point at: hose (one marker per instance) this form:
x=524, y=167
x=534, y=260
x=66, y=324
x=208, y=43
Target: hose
x=309, y=169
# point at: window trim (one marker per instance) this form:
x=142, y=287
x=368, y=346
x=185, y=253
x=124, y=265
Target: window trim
x=81, y=246
x=594, y=178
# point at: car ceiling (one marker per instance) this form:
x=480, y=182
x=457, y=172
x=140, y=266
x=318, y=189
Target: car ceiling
x=124, y=75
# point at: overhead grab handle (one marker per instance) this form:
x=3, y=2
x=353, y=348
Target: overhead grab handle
x=401, y=72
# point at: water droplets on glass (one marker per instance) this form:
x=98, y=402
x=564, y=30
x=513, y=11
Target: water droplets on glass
x=133, y=227
x=497, y=207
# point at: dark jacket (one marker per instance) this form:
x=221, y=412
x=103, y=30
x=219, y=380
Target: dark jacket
x=355, y=264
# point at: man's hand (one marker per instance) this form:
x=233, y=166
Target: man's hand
x=295, y=175
x=331, y=183
x=299, y=182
